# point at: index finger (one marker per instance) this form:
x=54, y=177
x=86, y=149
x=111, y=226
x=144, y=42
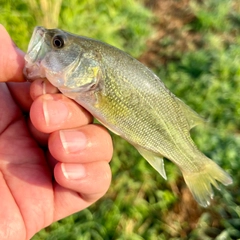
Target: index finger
x=11, y=59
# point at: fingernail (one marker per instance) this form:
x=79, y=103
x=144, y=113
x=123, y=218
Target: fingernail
x=73, y=140
x=44, y=87
x=73, y=171
x=55, y=111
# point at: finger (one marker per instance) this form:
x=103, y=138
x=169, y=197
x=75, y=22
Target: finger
x=51, y=112
x=20, y=93
x=90, y=180
x=85, y=144
x=9, y=110
x=11, y=59
x=83, y=183
x=40, y=87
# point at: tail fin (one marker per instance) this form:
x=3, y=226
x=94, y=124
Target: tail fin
x=199, y=183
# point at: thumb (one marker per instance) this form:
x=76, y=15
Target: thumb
x=11, y=59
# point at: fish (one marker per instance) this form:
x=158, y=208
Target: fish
x=128, y=99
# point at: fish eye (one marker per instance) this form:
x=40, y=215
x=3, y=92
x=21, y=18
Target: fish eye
x=58, y=42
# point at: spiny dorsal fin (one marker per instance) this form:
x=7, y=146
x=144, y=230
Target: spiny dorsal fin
x=156, y=161
x=192, y=117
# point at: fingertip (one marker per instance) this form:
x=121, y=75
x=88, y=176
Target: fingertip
x=52, y=112
x=73, y=141
x=90, y=180
x=73, y=171
x=11, y=59
x=89, y=143
x=40, y=87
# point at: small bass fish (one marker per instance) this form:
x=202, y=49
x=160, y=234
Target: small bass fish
x=127, y=98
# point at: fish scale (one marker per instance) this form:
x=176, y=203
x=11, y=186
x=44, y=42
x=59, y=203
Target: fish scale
x=129, y=99
x=135, y=124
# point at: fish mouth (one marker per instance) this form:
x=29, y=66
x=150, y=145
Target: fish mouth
x=35, y=45
x=33, y=71
x=35, y=53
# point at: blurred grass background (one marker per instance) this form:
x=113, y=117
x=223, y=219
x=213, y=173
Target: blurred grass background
x=194, y=46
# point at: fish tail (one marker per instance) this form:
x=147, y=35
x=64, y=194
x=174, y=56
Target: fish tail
x=200, y=183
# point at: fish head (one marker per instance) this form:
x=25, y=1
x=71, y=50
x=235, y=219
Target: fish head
x=63, y=59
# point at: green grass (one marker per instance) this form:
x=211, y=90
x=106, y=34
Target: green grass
x=139, y=203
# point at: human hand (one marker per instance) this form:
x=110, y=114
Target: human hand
x=52, y=166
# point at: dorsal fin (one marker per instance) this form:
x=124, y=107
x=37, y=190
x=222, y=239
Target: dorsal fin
x=192, y=117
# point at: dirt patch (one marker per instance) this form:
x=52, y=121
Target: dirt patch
x=172, y=37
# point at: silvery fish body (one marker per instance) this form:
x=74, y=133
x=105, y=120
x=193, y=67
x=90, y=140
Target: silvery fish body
x=127, y=98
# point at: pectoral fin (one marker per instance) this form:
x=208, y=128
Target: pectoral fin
x=154, y=160
x=83, y=73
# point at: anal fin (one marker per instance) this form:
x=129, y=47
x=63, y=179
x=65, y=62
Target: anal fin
x=156, y=161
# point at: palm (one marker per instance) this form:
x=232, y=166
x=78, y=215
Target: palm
x=26, y=186
x=30, y=198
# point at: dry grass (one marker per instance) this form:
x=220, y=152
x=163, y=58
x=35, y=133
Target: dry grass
x=46, y=12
